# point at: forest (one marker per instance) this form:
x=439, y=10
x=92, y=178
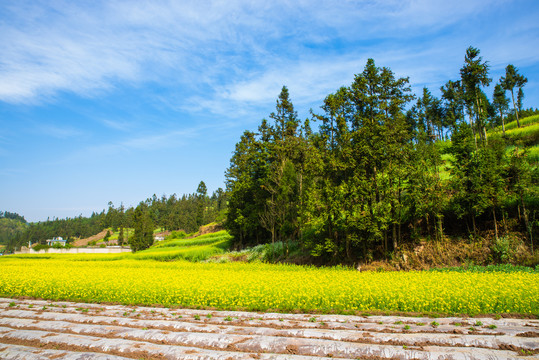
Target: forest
x=187, y=213
x=387, y=168
x=377, y=168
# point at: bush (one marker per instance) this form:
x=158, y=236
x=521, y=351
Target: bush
x=502, y=249
x=41, y=247
x=180, y=234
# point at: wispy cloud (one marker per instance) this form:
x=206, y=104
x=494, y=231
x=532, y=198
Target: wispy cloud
x=128, y=82
x=59, y=132
x=122, y=125
x=127, y=146
x=236, y=51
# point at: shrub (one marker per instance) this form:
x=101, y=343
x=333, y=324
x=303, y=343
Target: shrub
x=180, y=234
x=41, y=247
x=502, y=249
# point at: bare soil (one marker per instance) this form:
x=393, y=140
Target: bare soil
x=208, y=229
x=39, y=329
x=97, y=237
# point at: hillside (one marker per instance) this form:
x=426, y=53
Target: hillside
x=86, y=241
x=193, y=248
x=526, y=137
x=10, y=227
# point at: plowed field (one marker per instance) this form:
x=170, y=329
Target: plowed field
x=35, y=329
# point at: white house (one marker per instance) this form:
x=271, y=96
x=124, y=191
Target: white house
x=56, y=240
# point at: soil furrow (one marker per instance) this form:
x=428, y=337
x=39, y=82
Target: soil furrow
x=160, y=333
x=19, y=352
x=130, y=349
x=411, y=325
x=222, y=337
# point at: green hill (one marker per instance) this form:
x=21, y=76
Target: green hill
x=9, y=227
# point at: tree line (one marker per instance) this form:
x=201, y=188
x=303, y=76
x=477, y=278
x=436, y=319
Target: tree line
x=187, y=212
x=385, y=167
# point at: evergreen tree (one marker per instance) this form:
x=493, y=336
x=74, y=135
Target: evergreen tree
x=501, y=103
x=243, y=179
x=143, y=224
x=202, y=194
x=121, y=236
x=511, y=80
x=107, y=237
x=474, y=74
x=520, y=98
x=452, y=95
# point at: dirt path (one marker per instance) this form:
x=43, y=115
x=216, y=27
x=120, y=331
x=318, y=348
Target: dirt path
x=33, y=329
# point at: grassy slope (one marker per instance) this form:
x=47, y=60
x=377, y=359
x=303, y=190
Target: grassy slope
x=195, y=249
x=527, y=137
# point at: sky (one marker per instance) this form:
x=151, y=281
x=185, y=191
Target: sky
x=119, y=100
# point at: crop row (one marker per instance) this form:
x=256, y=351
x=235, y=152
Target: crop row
x=264, y=286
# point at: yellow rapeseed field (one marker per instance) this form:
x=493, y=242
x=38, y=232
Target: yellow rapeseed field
x=265, y=286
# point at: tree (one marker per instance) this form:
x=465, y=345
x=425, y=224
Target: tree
x=286, y=119
x=121, y=236
x=244, y=179
x=464, y=177
x=474, y=74
x=500, y=102
x=428, y=115
x=363, y=142
x=452, y=95
x=107, y=237
x=202, y=195
x=520, y=97
x=511, y=80
x=520, y=177
x=143, y=224
x=202, y=190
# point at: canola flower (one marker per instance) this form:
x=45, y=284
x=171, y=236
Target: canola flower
x=263, y=287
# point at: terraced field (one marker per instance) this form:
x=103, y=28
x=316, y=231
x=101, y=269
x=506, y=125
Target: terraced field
x=36, y=329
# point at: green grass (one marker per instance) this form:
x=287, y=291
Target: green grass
x=523, y=122
x=191, y=253
x=527, y=134
x=504, y=268
x=533, y=154
x=195, y=249
x=199, y=240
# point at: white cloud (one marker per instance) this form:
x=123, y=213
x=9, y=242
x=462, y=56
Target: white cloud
x=236, y=51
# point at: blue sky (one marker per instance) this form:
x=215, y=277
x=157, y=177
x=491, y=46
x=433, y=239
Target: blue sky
x=119, y=100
